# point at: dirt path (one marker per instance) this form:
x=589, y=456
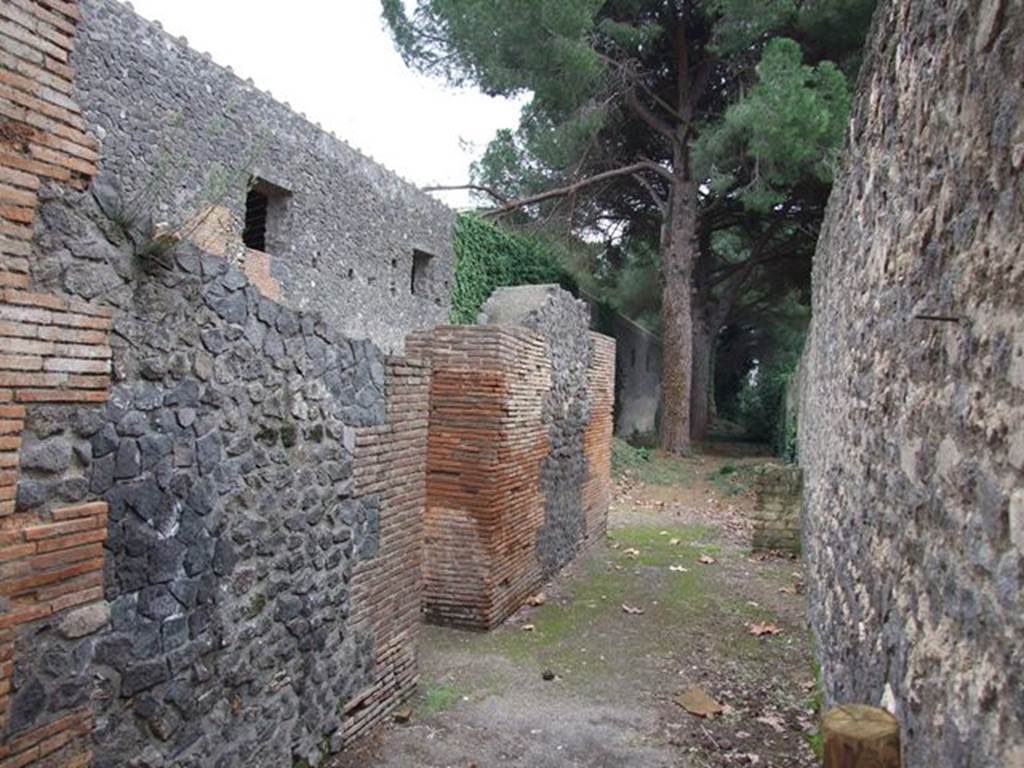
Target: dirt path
x=484, y=701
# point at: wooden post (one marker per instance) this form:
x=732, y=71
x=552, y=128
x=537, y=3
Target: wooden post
x=858, y=736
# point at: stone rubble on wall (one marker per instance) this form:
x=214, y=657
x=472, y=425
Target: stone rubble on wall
x=911, y=434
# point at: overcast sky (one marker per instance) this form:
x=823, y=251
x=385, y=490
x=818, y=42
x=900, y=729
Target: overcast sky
x=333, y=60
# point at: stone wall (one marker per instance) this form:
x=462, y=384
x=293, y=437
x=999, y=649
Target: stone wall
x=183, y=137
x=518, y=451
x=776, y=513
x=209, y=501
x=637, y=377
x=911, y=433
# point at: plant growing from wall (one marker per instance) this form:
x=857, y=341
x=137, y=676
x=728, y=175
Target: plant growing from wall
x=171, y=169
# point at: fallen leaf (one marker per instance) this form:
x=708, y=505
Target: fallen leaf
x=631, y=552
x=528, y=627
x=539, y=599
x=679, y=569
x=663, y=533
x=773, y=722
x=762, y=628
x=707, y=560
x=631, y=610
x=697, y=702
x=673, y=541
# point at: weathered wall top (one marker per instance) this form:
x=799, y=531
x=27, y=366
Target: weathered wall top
x=185, y=139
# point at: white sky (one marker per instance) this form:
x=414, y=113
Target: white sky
x=334, y=61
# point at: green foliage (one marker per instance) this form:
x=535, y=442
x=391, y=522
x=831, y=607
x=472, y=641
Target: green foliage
x=732, y=479
x=789, y=126
x=741, y=23
x=649, y=466
x=542, y=47
x=488, y=257
x=761, y=404
x=439, y=696
x=816, y=703
x=626, y=457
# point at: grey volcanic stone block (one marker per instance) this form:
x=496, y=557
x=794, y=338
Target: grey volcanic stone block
x=85, y=620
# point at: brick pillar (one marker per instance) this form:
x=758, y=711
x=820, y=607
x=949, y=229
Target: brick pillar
x=390, y=465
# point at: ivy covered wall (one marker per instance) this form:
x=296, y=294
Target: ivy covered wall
x=489, y=257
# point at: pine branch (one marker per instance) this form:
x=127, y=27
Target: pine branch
x=626, y=170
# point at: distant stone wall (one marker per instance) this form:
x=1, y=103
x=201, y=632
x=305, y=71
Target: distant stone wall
x=519, y=451
x=638, y=379
x=776, y=513
x=183, y=137
x=911, y=431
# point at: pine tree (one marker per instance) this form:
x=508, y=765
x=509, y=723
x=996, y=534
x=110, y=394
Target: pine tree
x=658, y=119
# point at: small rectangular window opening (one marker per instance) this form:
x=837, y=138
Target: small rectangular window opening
x=255, y=233
x=265, y=205
x=420, y=279
x=632, y=357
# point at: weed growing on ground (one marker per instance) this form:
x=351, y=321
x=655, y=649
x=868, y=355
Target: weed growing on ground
x=731, y=479
x=438, y=697
x=648, y=466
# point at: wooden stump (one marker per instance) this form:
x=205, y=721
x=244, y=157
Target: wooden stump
x=858, y=736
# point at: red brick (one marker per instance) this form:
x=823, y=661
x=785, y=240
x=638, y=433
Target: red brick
x=21, y=586
x=14, y=196
x=49, y=530
x=10, y=279
x=65, y=591
x=74, y=540
x=80, y=597
x=18, y=213
x=21, y=363
x=89, y=509
x=7, y=554
x=34, y=167
x=32, y=39
x=61, y=159
x=66, y=556
x=37, y=10
x=60, y=396
x=22, y=615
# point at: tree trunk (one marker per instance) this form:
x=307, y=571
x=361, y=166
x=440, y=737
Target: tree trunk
x=678, y=256
x=704, y=334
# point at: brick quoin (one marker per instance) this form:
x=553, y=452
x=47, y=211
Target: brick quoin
x=53, y=349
